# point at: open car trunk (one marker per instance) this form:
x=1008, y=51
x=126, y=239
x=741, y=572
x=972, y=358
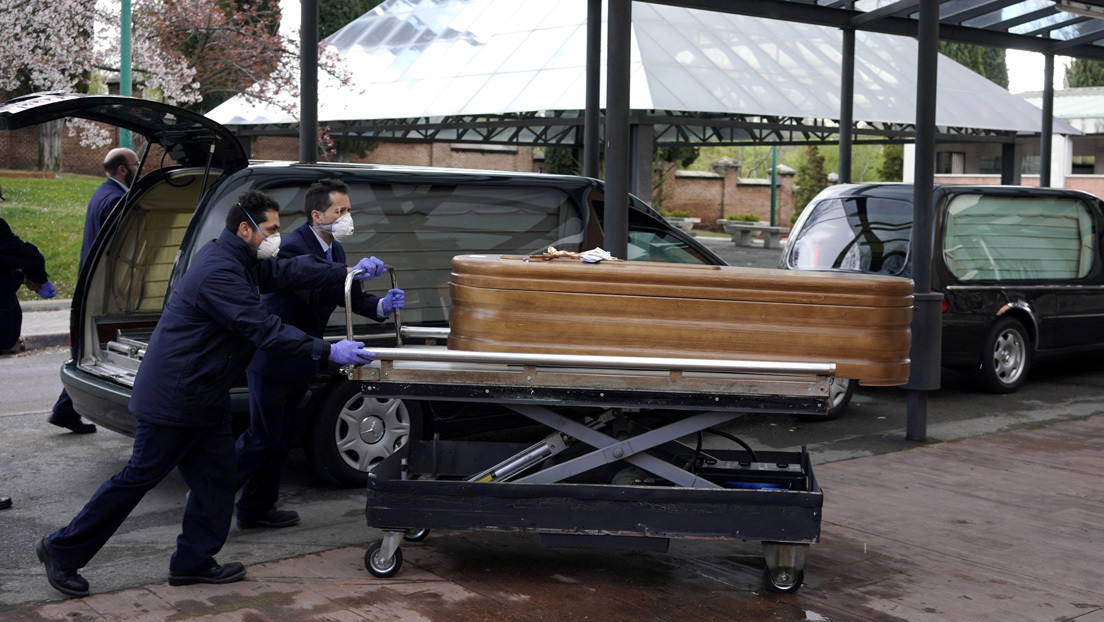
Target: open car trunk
x=126, y=287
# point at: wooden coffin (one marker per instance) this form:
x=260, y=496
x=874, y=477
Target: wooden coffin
x=566, y=306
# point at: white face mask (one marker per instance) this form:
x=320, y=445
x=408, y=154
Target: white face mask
x=270, y=246
x=340, y=229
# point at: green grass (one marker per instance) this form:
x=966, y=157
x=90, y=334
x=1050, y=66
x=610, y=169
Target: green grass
x=49, y=213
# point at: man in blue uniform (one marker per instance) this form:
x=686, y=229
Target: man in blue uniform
x=277, y=384
x=120, y=166
x=211, y=325
x=20, y=264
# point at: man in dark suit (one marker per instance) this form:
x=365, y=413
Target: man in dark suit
x=210, y=326
x=120, y=166
x=277, y=384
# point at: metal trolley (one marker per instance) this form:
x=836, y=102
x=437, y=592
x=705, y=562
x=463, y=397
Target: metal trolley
x=612, y=472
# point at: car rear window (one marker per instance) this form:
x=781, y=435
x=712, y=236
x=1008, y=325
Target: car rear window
x=859, y=234
x=419, y=227
x=1003, y=238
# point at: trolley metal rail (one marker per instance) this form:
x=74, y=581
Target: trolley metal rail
x=612, y=472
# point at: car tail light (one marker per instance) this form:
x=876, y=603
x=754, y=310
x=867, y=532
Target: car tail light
x=946, y=305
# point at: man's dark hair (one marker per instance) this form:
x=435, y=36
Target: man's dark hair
x=318, y=195
x=252, y=202
x=113, y=163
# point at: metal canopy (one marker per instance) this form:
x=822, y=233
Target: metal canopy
x=1042, y=26
x=500, y=71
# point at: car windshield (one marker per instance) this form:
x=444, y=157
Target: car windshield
x=859, y=234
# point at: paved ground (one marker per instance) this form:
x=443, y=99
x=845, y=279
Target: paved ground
x=1006, y=527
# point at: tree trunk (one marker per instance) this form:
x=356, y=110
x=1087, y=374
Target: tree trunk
x=49, y=145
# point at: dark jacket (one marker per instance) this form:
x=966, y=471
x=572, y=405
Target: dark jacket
x=308, y=309
x=99, y=206
x=18, y=260
x=15, y=254
x=211, y=325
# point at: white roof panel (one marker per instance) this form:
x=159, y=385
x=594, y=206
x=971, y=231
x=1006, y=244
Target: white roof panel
x=432, y=58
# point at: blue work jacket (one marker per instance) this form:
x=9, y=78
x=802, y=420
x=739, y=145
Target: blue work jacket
x=211, y=326
x=308, y=309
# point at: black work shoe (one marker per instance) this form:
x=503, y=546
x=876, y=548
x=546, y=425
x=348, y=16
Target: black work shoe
x=272, y=518
x=73, y=424
x=215, y=574
x=67, y=582
x=5, y=503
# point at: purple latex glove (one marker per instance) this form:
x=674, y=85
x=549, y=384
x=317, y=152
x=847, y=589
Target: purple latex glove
x=347, y=352
x=46, y=290
x=393, y=300
x=372, y=268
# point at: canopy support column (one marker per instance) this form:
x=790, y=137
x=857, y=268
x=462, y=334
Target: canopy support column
x=926, y=327
x=1046, y=132
x=618, y=58
x=847, y=98
x=591, y=152
x=308, y=83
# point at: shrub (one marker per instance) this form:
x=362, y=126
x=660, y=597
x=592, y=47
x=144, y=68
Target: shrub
x=749, y=217
x=675, y=213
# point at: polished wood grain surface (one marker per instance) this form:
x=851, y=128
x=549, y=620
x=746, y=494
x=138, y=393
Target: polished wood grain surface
x=564, y=306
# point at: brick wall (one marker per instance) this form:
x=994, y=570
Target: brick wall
x=19, y=150
x=713, y=196
x=1093, y=184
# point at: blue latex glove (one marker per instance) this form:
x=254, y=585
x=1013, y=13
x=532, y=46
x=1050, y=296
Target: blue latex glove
x=347, y=352
x=372, y=268
x=393, y=300
x=47, y=290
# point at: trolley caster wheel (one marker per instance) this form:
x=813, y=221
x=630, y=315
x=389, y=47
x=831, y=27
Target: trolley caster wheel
x=415, y=535
x=382, y=568
x=783, y=580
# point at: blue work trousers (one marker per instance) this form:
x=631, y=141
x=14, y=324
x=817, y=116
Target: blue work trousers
x=205, y=458
x=262, y=450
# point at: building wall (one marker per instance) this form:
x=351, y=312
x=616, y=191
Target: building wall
x=19, y=151
x=714, y=196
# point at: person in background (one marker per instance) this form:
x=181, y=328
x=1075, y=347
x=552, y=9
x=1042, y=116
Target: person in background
x=277, y=384
x=211, y=324
x=20, y=264
x=120, y=167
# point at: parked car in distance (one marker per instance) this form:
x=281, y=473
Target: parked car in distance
x=416, y=219
x=1020, y=268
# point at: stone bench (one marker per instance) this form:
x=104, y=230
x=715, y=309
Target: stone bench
x=742, y=232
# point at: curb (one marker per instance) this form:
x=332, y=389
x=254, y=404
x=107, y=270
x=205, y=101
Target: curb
x=53, y=304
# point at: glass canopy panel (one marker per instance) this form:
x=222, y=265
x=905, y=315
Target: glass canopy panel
x=415, y=58
x=1007, y=13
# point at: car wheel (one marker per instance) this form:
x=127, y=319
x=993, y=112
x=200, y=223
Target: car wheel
x=353, y=432
x=840, y=391
x=1006, y=357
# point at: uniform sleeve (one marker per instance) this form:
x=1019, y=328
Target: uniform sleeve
x=301, y=272
x=24, y=256
x=228, y=299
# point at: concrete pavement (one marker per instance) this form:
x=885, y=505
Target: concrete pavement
x=1006, y=527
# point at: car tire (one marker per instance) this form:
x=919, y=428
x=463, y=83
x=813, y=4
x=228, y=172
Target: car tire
x=352, y=432
x=840, y=391
x=1006, y=357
